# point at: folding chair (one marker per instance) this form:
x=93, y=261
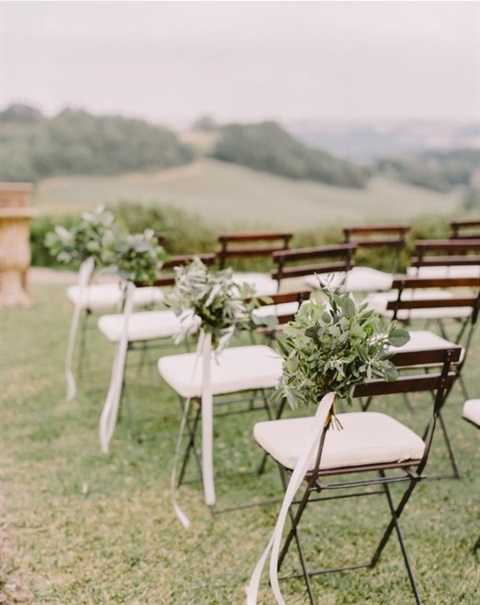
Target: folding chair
x=251, y=245
x=388, y=240
x=471, y=413
x=435, y=300
x=140, y=331
x=446, y=258
x=465, y=229
x=335, y=261
x=282, y=307
x=87, y=299
x=240, y=381
x=371, y=453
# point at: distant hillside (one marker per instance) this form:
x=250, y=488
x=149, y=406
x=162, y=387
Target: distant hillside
x=33, y=147
x=371, y=141
x=437, y=170
x=269, y=148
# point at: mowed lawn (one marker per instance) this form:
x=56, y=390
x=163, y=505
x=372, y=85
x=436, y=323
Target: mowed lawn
x=80, y=527
x=231, y=196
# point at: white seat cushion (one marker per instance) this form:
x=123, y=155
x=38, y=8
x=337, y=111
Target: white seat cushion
x=445, y=271
x=264, y=285
x=236, y=369
x=471, y=411
x=358, y=279
x=379, y=303
x=366, y=438
x=425, y=339
x=288, y=308
x=142, y=325
x=105, y=296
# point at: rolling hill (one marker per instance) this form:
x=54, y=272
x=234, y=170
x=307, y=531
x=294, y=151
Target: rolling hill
x=232, y=196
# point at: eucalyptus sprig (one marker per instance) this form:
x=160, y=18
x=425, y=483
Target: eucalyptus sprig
x=85, y=238
x=137, y=257
x=212, y=301
x=333, y=344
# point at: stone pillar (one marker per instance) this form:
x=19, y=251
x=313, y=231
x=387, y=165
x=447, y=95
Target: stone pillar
x=15, y=216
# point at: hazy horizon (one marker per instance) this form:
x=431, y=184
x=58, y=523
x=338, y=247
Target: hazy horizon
x=172, y=62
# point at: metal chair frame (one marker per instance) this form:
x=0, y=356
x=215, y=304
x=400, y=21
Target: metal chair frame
x=411, y=471
x=249, y=396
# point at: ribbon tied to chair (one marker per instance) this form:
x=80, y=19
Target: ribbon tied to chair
x=204, y=353
x=84, y=276
x=108, y=418
x=273, y=546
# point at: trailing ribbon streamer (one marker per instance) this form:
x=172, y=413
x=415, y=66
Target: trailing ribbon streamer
x=207, y=422
x=184, y=520
x=298, y=475
x=108, y=419
x=84, y=276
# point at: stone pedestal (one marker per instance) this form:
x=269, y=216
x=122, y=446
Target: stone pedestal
x=15, y=216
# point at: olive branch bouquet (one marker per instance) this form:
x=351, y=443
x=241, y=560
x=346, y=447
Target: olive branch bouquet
x=85, y=238
x=212, y=301
x=333, y=344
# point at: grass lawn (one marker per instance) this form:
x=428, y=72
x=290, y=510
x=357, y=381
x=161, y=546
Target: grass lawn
x=80, y=527
x=234, y=197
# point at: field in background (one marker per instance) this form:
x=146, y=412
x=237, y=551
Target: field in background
x=226, y=195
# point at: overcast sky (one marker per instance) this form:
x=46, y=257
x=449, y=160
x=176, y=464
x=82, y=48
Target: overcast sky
x=244, y=60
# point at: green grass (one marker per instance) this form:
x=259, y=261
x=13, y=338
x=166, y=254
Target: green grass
x=84, y=528
x=227, y=195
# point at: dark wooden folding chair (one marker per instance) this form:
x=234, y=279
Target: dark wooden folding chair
x=239, y=250
x=281, y=308
x=465, y=229
x=447, y=300
x=242, y=380
x=333, y=261
x=138, y=331
x=90, y=298
x=446, y=258
x=371, y=453
x=383, y=238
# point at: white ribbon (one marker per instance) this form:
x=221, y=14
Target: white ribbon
x=298, y=475
x=108, y=418
x=207, y=422
x=84, y=276
x=204, y=351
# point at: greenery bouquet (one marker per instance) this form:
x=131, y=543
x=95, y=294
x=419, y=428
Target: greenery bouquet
x=333, y=344
x=85, y=238
x=211, y=301
x=136, y=257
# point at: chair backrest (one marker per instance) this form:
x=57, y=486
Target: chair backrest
x=388, y=237
x=431, y=370
x=462, y=294
x=283, y=306
x=307, y=261
x=247, y=245
x=167, y=275
x=466, y=295
x=465, y=229
x=446, y=253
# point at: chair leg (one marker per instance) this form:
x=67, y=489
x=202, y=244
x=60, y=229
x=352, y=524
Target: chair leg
x=453, y=462
x=476, y=546
x=395, y=513
x=265, y=456
x=192, y=430
x=84, y=362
